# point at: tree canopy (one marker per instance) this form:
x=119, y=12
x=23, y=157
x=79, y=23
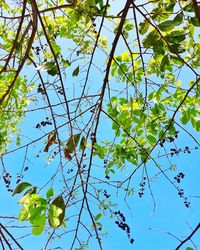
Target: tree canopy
x=99, y=101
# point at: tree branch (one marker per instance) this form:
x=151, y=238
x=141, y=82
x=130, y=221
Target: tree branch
x=189, y=237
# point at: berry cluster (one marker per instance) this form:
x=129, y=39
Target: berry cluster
x=106, y=194
x=41, y=90
x=7, y=179
x=179, y=177
x=78, y=52
x=92, y=110
x=94, y=25
x=142, y=187
x=121, y=222
x=175, y=151
x=186, y=202
x=26, y=168
x=187, y=150
x=181, y=194
x=93, y=137
x=44, y=123
x=55, y=153
x=60, y=90
x=70, y=170
x=105, y=163
x=37, y=50
x=169, y=139
x=20, y=176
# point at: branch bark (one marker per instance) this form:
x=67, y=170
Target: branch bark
x=189, y=237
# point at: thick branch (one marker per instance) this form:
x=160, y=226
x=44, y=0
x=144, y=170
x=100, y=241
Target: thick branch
x=189, y=237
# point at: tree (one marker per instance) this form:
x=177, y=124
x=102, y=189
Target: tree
x=98, y=99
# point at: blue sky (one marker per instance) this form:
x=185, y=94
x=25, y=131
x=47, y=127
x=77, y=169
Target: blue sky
x=170, y=216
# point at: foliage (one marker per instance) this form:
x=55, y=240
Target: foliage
x=89, y=69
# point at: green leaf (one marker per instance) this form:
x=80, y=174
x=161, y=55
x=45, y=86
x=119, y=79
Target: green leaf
x=150, y=39
x=151, y=139
x=23, y=214
x=99, y=224
x=128, y=27
x=99, y=150
x=20, y=188
x=57, y=212
x=122, y=69
x=50, y=193
x=189, y=7
x=170, y=24
x=179, y=18
x=65, y=63
x=172, y=167
x=195, y=21
x=189, y=248
x=139, y=132
x=177, y=48
x=165, y=63
x=97, y=217
x=18, y=141
x=163, y=11
x=167, y=25
x=176, y=36
x=143, y=27
x=158, y=47
x=198, y=125
x=82, y=144
x=38, y=216
x=51, y=68
x=27, y=195
x=72, y=143
x=100, y=2
x=185, y=117
x=169, y=7
x=176, y=60
x=24, y=198
x=31, y=191
x=37, y=230
x=56, y=48
x=53, y=220
x=76, y=72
